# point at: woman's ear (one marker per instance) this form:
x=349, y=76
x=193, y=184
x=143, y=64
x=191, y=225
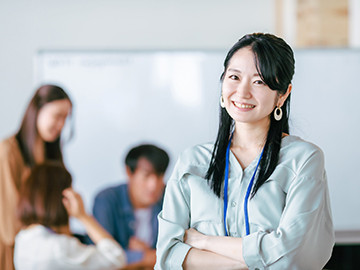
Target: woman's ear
x=284, y=96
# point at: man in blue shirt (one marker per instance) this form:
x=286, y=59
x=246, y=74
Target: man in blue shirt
x=129, y=211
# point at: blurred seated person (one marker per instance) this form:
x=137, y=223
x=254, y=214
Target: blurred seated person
x=129, y=211
x=45, y=242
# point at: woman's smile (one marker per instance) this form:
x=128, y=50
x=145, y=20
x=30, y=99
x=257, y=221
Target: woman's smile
x=243, y=106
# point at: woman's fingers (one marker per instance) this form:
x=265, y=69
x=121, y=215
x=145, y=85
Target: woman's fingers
x=188, y=234
x=72, y=202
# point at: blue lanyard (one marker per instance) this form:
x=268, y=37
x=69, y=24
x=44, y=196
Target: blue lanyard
x=226, y=180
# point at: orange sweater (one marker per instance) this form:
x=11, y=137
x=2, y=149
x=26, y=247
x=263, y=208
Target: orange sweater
x=12, y=171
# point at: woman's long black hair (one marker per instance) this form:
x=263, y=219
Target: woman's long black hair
x=274, y=60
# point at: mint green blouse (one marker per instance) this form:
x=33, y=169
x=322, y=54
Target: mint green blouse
x=290, y=218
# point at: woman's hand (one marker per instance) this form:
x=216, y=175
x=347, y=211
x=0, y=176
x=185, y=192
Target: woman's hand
x=211, y=252
x=136, y=244
x=195, y=239
x=75, y=207
x=230, y=247
x=149, y=254
x=73, y=203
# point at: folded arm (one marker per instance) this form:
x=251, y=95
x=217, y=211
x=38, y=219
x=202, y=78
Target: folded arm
x=176, y=252
x=229, y=247
x=202, y=259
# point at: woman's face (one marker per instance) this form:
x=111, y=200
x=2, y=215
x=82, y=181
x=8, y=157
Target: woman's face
x=247, y=98
x=51, y=119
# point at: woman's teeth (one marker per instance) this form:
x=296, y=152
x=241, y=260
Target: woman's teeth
x=244, y=106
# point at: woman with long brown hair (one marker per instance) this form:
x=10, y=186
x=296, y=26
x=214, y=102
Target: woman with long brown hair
x=46, y=201
x=37, y=140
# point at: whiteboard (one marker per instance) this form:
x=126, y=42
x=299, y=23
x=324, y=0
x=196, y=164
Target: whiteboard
x=171, y=99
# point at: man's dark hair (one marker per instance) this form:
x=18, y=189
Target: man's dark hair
x=155, y=155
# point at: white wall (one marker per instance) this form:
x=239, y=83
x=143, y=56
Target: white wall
x=354, y=23
x=28, y=26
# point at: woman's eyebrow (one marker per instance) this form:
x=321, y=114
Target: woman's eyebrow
x=234, y=70
x=239, y=71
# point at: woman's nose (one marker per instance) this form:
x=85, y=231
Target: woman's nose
x=244, y=89
x=60, y=123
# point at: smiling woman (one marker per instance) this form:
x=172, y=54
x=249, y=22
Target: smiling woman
x=37, y=140
x=258, y=197
x=51, y=119
x=245, y=94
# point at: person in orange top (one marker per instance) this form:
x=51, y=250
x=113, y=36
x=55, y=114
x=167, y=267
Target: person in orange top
x=37, y=140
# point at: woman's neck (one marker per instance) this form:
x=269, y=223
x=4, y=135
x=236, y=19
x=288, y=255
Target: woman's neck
x=247, y=136
x=248, y=141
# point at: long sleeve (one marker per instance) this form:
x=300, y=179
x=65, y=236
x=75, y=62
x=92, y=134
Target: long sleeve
x=173, y=221
x=188, y=202
x=11, y=170
x=106, y=209
x=304, y=237
x=103, y=214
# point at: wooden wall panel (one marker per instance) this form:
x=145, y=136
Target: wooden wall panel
x=317, y=23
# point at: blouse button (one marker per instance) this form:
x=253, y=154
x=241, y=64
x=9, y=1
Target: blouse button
x=233, y=204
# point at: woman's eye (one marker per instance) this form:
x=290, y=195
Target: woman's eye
x=233, y=77
x=260, y=82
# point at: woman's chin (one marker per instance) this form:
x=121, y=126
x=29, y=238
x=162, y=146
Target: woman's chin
x=50, y=139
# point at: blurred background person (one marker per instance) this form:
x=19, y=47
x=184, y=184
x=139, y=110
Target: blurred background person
x=37, y=140
x=45, y=242
x=129, y=211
